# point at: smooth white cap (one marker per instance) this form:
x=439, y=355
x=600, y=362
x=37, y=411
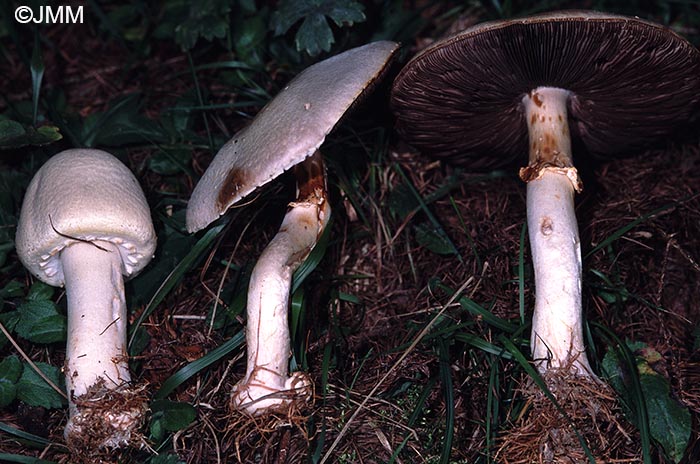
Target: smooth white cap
x=289, y=129
x=87, y=195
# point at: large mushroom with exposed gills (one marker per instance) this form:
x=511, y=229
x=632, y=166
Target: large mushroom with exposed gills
x=492, y=93
x=286, y=134
x=488, y=95
x=85, y=224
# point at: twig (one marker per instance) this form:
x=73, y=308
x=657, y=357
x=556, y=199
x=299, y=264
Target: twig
x=77, y=239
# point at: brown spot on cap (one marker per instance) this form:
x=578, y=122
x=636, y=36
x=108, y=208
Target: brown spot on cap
x=235, y=179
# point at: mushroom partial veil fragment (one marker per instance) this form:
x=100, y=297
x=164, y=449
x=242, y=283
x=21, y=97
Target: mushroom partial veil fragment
x=486, y=96
x=85, y=224
x=286, y=133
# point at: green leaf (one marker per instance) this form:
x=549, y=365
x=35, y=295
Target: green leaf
x=121, y=124
x=8, y=392
x=433, y=240
x=165, y=459
x=9, y=130
x=34, y=390
x=14, y=135
x=170, y=416
x=141, y=341
x=175, y=415
x=10, y=370
x=248, y=36
x=40, y=291
x=40, y=322
x=9, y=320
x=13, y=289
x=345, y=12
x=315, y=35
x=169, y=162
x=45, y=135
x=206, y=19
x=402, y=202
x=157, y=430
x=669, y=421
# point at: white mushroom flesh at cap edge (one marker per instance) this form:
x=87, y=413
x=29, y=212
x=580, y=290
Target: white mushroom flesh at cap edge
x=552, y=181
x=267, y=386
x=84, y=224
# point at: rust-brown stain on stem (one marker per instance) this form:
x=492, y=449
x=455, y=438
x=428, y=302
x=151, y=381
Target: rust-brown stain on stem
x=536, y=98
x=311, y=178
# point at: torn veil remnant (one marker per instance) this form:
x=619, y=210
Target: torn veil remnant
x=85, y=224
x=286, y=133
x=485, y=96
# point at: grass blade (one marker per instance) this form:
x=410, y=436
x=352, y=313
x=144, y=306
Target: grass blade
x=472, y=244
x=424, y=207
x=448, y=392
x=37, y=70
x=23, y=459
x=483, y=345
x=200, y=100
x=40, y=441
x=492, y=407
x=176, y=275
x=325, y=373
x=521, y=275
x=194, y=367
x=623, y=230
x=471, y=306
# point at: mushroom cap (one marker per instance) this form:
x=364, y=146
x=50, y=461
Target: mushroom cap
x=287, y=130
x=631, y=81
x=83, y=195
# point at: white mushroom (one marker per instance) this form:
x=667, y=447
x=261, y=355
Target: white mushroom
x=289, y=130
x=85, y=224
x=488, y=94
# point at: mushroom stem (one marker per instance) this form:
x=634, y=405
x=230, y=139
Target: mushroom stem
x=557, y=329
x=96, y=356
x=267, y=386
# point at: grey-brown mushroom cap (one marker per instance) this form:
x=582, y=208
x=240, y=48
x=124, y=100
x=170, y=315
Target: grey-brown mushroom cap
x=287, y=130
x=77, y=195
x=632, y=82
